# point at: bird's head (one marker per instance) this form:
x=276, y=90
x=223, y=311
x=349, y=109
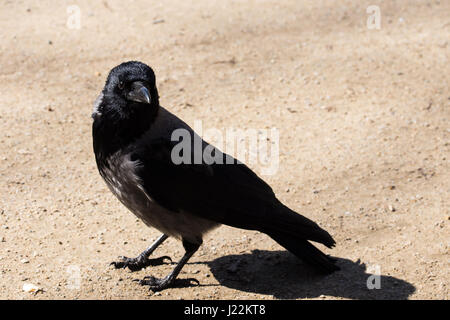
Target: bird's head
x=130, y=89
x=126, y=107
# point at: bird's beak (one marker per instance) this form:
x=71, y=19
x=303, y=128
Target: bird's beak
x=139, y=93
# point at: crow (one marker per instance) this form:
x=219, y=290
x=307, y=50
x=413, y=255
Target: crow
x=134, y=151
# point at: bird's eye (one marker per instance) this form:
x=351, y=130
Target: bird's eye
x=121, y=85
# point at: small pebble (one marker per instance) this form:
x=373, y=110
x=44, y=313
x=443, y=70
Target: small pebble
x=30, y=288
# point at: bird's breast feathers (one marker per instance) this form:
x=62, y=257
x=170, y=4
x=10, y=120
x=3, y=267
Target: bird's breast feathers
x=119, y=173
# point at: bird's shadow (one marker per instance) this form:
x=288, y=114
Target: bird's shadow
x=284, y=276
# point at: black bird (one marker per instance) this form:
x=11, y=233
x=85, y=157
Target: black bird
x=132, y=138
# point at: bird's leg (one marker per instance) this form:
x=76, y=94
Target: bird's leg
x=142, y=260
x=156, y=284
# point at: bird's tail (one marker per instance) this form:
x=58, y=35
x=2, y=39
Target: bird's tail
x=292, y=231
x=306, y=252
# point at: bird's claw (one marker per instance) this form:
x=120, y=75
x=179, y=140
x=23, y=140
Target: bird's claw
x=154, y=284
x=141, y=262
x=157, y=284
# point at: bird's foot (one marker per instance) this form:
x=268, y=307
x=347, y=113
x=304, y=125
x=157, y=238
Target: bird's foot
x=138, y=263
x=156, y=284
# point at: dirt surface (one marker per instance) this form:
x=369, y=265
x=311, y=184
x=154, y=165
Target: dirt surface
x=363, y=117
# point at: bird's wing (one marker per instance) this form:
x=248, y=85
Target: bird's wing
x=230, y=194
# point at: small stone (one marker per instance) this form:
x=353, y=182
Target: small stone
x=391, y=208
x=24, y=261
x=23, y=151
x=31, y=288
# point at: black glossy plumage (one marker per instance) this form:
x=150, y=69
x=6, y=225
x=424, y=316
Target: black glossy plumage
x=228, y=194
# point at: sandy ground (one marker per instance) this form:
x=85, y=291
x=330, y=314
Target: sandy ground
x=363, y=117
